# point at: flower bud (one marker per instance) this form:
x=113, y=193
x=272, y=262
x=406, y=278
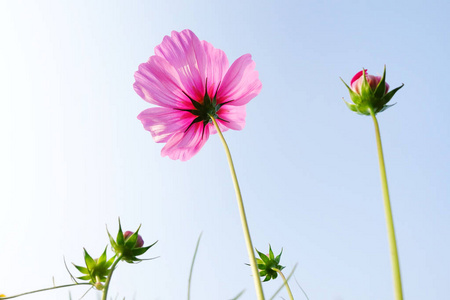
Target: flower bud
x=139, y=241
x=268, y=264
x=369, y=93
x=96, y=270
x=129, y=245
x=372, y=80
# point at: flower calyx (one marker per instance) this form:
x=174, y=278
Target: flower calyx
x=269, y=265
x=206, y=109
x=96, y=270
x=369, y=93
x=129, y=245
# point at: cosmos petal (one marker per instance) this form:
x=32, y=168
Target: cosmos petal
x=164, y=122
x=184, y=51
x=184, y=146
x=241, y=82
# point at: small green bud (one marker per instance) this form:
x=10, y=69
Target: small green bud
x=268, y=264
x=96, y=270
x=128, y=245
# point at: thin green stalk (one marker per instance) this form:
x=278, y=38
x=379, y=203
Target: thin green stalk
x=281, y=287
x=46, y=289
x=304, y=293
x=389, y=220
x=192, y=267
x=248, y=240
x=108, y=280
x=285, y=283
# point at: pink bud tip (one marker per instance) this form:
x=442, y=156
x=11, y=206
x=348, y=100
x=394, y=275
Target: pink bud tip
x=139, y=242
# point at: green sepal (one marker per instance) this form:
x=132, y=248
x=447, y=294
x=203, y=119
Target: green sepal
x=81, y=269
x=391, y=94
x=90, y=263
x=271, y=256
x=381, y=88
x=263, y=257
x=277, y=259
x=366, y=90
x=110, y=262
x=386, y=107
x=86, y=277
x=120, y=238
x=111, y=240
x=268, y=277
x=130, y=242
x=102, y=258
x=354, y=96
x=140, y=251
x=352, y=107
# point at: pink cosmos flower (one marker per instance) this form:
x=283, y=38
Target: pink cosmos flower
x=373, y=81
x=139, y=241
x=190, y=81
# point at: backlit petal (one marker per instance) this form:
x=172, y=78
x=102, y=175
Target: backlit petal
x=241, y=82
x=183, y=146
x=158, y=83
x=184, y=51
x=164, y=122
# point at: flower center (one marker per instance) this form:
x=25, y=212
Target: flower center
x=206, y=110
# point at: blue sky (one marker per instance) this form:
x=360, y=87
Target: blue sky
x=74, y=157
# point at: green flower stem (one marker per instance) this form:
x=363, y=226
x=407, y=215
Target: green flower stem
x=46, y=289
x=389, y=220
x=248, y=240
x=108, y=280
x=285, y=282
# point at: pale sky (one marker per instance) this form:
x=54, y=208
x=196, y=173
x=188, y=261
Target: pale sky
x=74, y=157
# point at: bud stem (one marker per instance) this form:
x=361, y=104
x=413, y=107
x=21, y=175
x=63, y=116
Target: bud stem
x=108, y=280
x=285, y=282
x=388, y=212
x=248, y=240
